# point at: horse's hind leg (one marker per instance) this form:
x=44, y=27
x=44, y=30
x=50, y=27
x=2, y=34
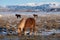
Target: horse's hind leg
x=31, y=30
x=34, y=30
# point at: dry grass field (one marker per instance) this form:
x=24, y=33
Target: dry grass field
x=42, y=22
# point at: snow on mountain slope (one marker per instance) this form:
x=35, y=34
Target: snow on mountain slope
x=55, y=5
x=33, y=6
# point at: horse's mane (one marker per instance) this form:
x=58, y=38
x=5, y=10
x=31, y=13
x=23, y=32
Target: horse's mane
x=20, y=22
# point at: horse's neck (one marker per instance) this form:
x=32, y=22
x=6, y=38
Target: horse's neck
x=22, y=24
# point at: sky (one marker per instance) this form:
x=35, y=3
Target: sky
x=17, y=2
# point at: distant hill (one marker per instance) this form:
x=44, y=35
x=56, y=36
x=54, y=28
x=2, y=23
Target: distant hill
x=32, y=7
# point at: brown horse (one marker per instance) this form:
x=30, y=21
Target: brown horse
x=26, y=23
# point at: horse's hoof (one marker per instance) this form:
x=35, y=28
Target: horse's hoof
x=27, y=33
x=19, y=35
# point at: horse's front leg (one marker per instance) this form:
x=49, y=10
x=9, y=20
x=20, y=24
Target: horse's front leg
x=24, y=31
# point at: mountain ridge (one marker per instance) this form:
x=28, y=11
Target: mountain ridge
x=32, y=7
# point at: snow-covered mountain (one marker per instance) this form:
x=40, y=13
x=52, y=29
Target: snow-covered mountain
x=33, y=7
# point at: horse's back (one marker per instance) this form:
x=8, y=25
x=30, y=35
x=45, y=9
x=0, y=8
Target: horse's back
x=30, y=22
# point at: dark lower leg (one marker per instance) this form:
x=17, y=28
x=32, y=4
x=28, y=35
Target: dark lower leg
x=24, y=31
